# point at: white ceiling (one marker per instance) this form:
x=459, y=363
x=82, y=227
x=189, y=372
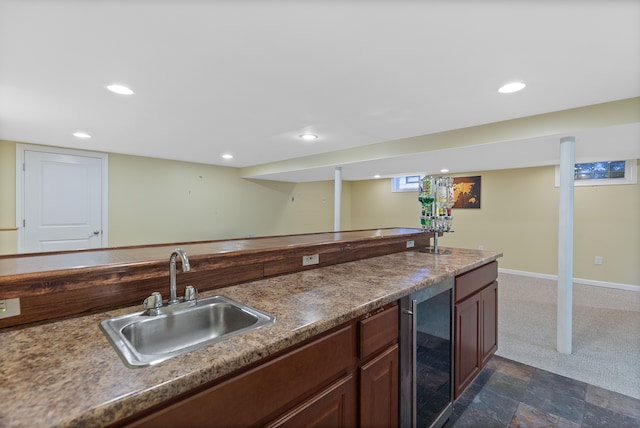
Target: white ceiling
x=248, y=77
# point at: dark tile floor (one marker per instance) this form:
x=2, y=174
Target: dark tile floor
x=511, y=394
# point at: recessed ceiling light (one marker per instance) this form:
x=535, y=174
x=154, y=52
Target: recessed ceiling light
x=82, y=135
x=511, y=87
x=444, y=170
x=227, y=156
x=120, y=89
x=308, y=137
x=377, y=176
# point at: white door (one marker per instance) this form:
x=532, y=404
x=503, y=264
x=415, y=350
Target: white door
x=62, y=199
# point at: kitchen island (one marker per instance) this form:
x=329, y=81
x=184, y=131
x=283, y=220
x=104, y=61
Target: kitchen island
x=66, y=373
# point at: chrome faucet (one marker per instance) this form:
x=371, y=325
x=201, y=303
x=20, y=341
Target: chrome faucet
x=186, y=267
x=153, y=304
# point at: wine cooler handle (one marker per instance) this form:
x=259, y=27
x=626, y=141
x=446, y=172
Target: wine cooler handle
x=414, y=362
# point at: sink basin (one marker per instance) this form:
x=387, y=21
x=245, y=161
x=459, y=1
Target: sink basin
x=142, y=339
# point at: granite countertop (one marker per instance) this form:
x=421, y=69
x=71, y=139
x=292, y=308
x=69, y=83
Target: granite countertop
x=66, y=373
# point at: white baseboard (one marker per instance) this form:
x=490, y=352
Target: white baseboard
x=628, y=287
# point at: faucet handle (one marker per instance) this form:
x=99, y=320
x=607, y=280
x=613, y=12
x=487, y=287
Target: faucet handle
x=154, y=301
x=190, y=293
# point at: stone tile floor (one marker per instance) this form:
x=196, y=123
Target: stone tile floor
x=511, y=394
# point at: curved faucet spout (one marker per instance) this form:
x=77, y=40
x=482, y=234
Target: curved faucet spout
x=186, y=267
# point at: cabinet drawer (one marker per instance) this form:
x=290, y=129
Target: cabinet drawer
x=472, y=282
x=378, y=331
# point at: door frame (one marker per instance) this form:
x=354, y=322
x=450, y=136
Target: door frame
x=20, y=159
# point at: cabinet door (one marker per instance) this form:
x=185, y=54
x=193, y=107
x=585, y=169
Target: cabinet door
x=379, y=390
x=489, y=298
x=467, y=342
x=333, y=407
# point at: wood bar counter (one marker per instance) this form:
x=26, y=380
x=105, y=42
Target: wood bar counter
x=63, y=284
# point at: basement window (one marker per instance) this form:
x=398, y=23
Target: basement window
x=603, y=173
x=408, y=183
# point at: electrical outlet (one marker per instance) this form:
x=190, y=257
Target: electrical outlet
x=410, y=244
x=480, y=247
x=598, y=260
x=9, y=307
x=310, y=260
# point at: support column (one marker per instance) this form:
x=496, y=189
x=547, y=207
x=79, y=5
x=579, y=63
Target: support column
x=565, y=245
x=337, y=203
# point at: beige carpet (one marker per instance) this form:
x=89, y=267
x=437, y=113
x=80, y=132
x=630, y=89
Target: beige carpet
x=606, y=331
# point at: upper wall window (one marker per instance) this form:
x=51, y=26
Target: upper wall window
x=408, y=183
x=603, y=173
x=599, y=170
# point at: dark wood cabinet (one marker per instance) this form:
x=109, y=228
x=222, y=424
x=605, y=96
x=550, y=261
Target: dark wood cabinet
x=345, y=378
x=476, y=323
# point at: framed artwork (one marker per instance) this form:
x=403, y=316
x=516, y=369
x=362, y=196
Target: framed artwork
x=466, y=192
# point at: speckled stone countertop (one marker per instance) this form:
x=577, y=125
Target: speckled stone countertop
x=66, y=373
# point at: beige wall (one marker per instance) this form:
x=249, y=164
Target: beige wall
x=8, y=238
x=519, y=216
x=154, y=201
x=373, y=205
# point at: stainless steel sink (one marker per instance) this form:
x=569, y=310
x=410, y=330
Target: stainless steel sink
x=143, y=339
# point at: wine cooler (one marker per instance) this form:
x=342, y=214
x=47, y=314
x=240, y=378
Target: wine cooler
x=426, y=356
